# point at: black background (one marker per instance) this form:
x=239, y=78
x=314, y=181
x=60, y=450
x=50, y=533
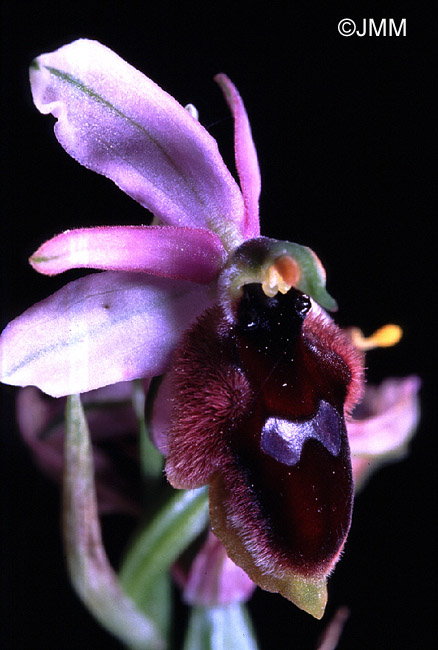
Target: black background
x=343, y=129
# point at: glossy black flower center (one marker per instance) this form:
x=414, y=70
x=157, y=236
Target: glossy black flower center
x=271, y=323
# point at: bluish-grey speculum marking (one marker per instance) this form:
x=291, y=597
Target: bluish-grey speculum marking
x=284, y=439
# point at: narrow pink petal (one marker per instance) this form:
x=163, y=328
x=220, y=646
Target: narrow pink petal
x=160, y=415
x=214, y=579
x=101, y=329
x=363, y=467
x=333, y=632
x=390, y=414
x=185, y=253
x=383, y=425
x=246, y=157
x=110, y=416
x=117, y=122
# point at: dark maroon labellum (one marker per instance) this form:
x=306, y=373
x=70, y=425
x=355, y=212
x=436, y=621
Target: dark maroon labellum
x=258, y=413
x=292, y=443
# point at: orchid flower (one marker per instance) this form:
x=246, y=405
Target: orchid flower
x=259, y=382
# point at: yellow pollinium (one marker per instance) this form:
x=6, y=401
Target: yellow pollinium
x=384, y=337
x=283, y=274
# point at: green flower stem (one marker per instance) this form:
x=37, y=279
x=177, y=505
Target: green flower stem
x=159, y=544
x=90, y=572
x=226, y=627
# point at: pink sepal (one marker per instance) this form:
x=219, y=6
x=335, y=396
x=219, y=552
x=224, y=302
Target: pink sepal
x=101, y=329
x=117, y=122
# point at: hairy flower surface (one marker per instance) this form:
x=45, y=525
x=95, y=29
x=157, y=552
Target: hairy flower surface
x=261, y=383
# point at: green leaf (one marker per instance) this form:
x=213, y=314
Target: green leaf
x=227, y=627
x=159, y=544
x=156, y=603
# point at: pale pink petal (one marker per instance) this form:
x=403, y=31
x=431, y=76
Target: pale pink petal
x=246, y=157
x=214, y=579
x=383, y=425
x=386, y=417
x=363, y=467
x=333, y=632
x=159, y=422
x=101, y=329
x=34, y=415
x=110, y=417
x=185, y=253
x=117, y=122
